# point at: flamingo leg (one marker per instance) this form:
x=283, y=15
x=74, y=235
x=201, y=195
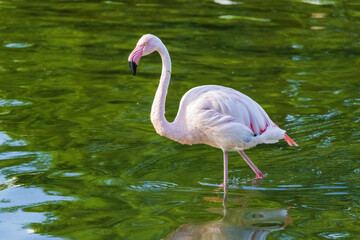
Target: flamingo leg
x=251, y=164
x=226, y=178
x=290, y=141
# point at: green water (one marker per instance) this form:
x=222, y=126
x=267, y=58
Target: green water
x=79, y=158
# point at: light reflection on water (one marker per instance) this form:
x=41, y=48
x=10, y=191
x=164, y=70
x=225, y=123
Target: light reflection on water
x=8, y=141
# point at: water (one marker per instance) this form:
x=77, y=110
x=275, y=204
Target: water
x=79, y=158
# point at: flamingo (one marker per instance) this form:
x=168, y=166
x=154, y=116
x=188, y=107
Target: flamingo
x=214, y=115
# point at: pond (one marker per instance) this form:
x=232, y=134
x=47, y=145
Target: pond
x=80, y=159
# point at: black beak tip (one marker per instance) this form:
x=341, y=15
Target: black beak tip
x=133, y=66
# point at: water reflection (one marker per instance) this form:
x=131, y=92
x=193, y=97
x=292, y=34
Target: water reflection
x=227, y=2
x=19, y=45
x=6, y=140
x=79, y=158
x=236, y=223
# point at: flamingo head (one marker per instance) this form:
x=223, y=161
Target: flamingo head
x=147, y=44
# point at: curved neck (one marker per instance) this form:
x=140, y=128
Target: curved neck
x=161, y=125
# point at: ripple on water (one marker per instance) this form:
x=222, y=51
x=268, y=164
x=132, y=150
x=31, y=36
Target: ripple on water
x=337, y=193
x=21, y=196
x=235, y=17
x=227, y=2
x=319, y=2
x=334, y=235
x=12, y=103
x=300, y=58
x=15, y=198
x=66, y=174
x=322, y=189
x=15, y=222
x=153, y=221
x=17, y=154
x=19, y=45
x=18, y=162
x=153, y=186
x=8, y=141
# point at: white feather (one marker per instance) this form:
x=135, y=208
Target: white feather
x=222, y=117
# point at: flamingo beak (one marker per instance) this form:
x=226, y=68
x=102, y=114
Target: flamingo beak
x=134, y=58
x=132, y=66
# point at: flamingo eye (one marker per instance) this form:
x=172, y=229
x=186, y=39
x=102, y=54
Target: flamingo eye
x=145, y=43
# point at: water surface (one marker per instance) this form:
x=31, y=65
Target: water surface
x=79, y=158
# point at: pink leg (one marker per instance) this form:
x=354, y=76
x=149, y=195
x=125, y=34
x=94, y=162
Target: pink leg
x=290, y=141
x=226, y=179
x=251, y=164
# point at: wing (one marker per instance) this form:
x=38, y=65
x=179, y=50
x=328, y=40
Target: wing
x=223, y=117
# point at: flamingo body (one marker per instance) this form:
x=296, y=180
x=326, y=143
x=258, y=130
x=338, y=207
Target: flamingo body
x=224, y=118
x=214, y=115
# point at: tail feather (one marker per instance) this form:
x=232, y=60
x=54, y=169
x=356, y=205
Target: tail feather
x=290, y=141
x=272, y=135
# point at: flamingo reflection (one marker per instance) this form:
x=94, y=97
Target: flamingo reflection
x=237, y=223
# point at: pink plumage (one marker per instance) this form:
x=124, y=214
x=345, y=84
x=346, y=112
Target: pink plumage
x=214, y=115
